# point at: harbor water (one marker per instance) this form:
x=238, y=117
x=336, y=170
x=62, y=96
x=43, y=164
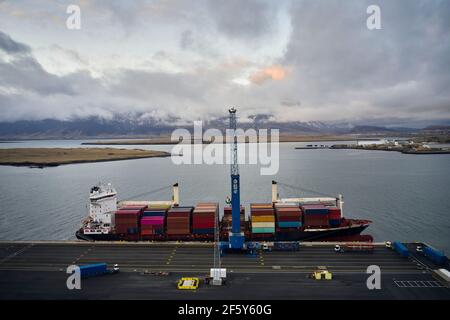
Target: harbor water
x=406, y=196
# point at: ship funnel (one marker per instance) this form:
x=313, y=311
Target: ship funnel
x=274, y=191
x=341, y=203
x=176, y=195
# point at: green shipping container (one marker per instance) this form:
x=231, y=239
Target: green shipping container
x=263, y=230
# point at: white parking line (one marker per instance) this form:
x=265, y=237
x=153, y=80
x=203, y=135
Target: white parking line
x=417, y=284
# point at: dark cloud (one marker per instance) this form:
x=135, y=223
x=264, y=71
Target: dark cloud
x=27, y=74
x=243, y=19
x=10, y=46
x=23, y=72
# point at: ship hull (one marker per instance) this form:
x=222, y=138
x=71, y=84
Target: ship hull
x=300, y=235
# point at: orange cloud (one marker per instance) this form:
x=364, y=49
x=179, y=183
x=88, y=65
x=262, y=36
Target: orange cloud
x=275, y=73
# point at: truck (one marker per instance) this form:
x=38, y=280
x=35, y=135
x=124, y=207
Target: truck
x=443, y=276
x=360, y=247
x=91, y=270
x=286, y=246
x=401, y=249
x=438, y=257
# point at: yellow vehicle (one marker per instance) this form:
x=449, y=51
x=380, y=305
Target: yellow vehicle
x=188, y=283
x=322, y=274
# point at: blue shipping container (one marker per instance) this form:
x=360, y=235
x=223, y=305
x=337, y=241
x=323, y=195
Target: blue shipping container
x=434, y=255
x=93, y=269
x=335, y=222
x=203, y=231
x=154, y=213
x=401, y=249
x=323, y=210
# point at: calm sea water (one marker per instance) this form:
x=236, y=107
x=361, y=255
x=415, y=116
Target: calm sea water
x=406, y=196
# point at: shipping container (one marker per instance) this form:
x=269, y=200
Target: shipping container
x=315, y=220
x=335, y=223
x=203, y=231
x=265, y=218
x=289, y=224
x=315, y=209
x=154, y=213
x=334, y=213
x=263, y=229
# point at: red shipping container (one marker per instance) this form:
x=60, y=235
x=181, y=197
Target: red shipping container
x=203, y=225
x=334, y=213
x=178, y=214
x=227, y=210
x=316, y=220
x=288, y=219
x=203, y=219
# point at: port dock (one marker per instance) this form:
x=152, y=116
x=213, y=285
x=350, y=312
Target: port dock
x=37, y=270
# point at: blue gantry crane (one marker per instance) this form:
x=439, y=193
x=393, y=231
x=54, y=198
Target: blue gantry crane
x=236, y=237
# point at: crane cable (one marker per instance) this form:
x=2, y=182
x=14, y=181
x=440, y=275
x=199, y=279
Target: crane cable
x=306, y=190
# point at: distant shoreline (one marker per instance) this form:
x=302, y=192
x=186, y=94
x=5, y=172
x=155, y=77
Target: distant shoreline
x=283, y=139
x=53, y=157
x=401, y=150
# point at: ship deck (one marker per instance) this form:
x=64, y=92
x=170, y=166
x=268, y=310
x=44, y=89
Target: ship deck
x=36, y=270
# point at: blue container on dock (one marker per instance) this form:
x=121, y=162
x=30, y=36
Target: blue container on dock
x=93, y=270
x=438, y=257
x=401, y=249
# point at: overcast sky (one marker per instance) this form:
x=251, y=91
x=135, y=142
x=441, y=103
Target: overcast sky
x=297, y=60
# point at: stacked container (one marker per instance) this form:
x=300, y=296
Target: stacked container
x=315, y=215
x=262, y=218
x=226, y=225
x=203, y=218
x=334, y=216
x=179, y=221
x=288, y=215
x=153, y=221
x=127, y=219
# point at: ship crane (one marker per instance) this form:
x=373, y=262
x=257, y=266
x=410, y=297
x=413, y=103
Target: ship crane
x=236, y=237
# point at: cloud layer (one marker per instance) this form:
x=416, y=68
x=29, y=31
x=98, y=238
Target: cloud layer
x=296, y=60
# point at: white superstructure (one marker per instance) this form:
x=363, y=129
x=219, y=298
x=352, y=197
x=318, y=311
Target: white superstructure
x=102, y=206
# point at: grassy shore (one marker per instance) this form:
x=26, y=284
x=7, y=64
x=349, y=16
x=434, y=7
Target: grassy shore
x=44, y=157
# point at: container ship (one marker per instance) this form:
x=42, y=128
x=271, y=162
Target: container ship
x=291, y=219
